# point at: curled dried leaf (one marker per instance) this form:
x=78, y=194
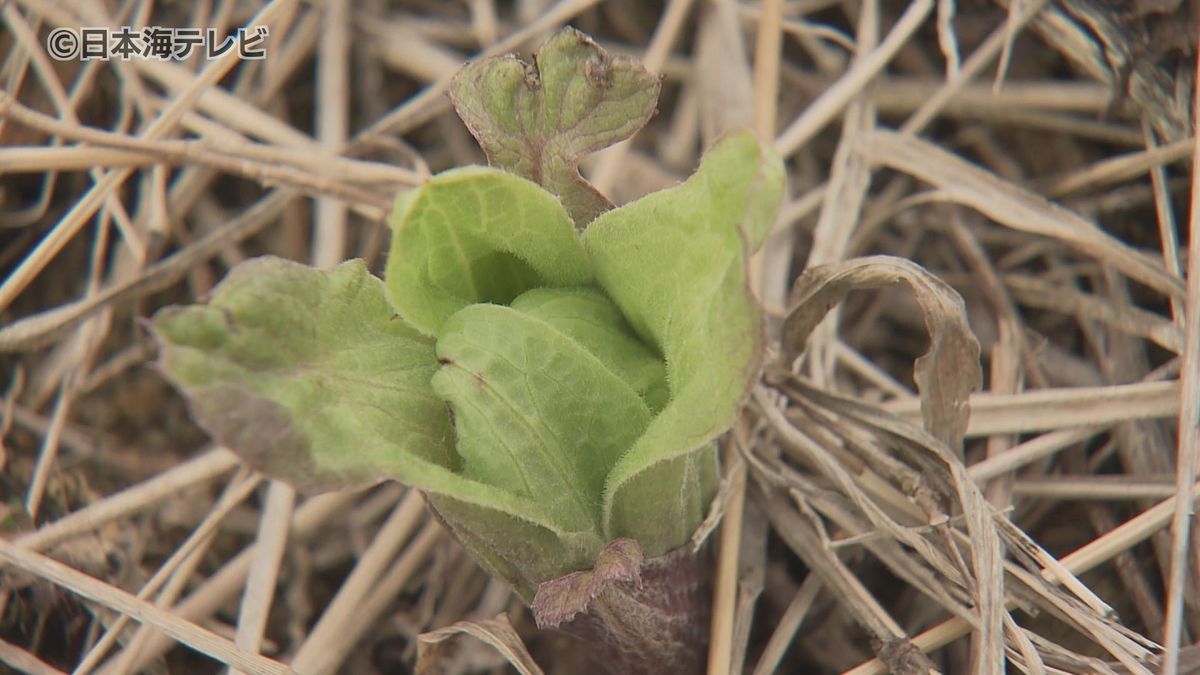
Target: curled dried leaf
x=945, y=375
x=497, y=632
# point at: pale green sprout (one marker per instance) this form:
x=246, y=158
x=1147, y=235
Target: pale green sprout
x=551, y=387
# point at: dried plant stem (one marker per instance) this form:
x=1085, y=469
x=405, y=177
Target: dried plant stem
x=793, y=616
x=37, y=329
x=144, y=495
x=766, y=67
x=246, y=159
x=333, y=112
x=47, y=453
x=185, y=631
x=835, y=98
x=83, y=210
x=195, y=543
x=1030, y=451
x=1189, y=428
x=665, y=34
x=1059, y=408
x=1098, y=488
x=23, y=662
x=318, y=653
x=772, y=261
x=725, y=589
x=226, y=582
x=264, y=569
x=376, y=603
x=1120, y=168
x=1167, y=232
x=1126, y=535
x=974, y=65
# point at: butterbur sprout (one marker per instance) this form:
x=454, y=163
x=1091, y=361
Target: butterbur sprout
x=550, y=371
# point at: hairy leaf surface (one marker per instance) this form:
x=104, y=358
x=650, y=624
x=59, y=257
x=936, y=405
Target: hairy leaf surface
x=675, y=263
x=311, y=377
x=536, y=413
x=475, y=235
x=591, y=319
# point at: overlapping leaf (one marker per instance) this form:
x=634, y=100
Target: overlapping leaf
x=675, y=264
x=592, y=320
x=536, y=414
x=311, y=377
x=477, y=235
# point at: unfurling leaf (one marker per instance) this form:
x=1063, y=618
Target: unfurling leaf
x=591, y=319
x=311, y=377
x=537, y=120
x=555, y=391
x=536, y=414
x=674, y=262
x=945, y=375
x=477, y=235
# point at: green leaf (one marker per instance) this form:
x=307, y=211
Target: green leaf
x=536, y=413
x=674, y=262
x=312, y=378
x=664, y=499
x=591, y=319
x=519, y=550
x=537, y=120
x=307, y=373
x=477, y=235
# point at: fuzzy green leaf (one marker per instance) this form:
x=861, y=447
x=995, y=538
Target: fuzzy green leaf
x=289, y=355
x=311, y=377
x=536, y=413
x=477, y=235
x=674, y=262
x=591, y=319
x=537, y=120
x=517, y=549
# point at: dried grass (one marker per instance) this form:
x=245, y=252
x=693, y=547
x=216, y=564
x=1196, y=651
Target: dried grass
x=1016, y=150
